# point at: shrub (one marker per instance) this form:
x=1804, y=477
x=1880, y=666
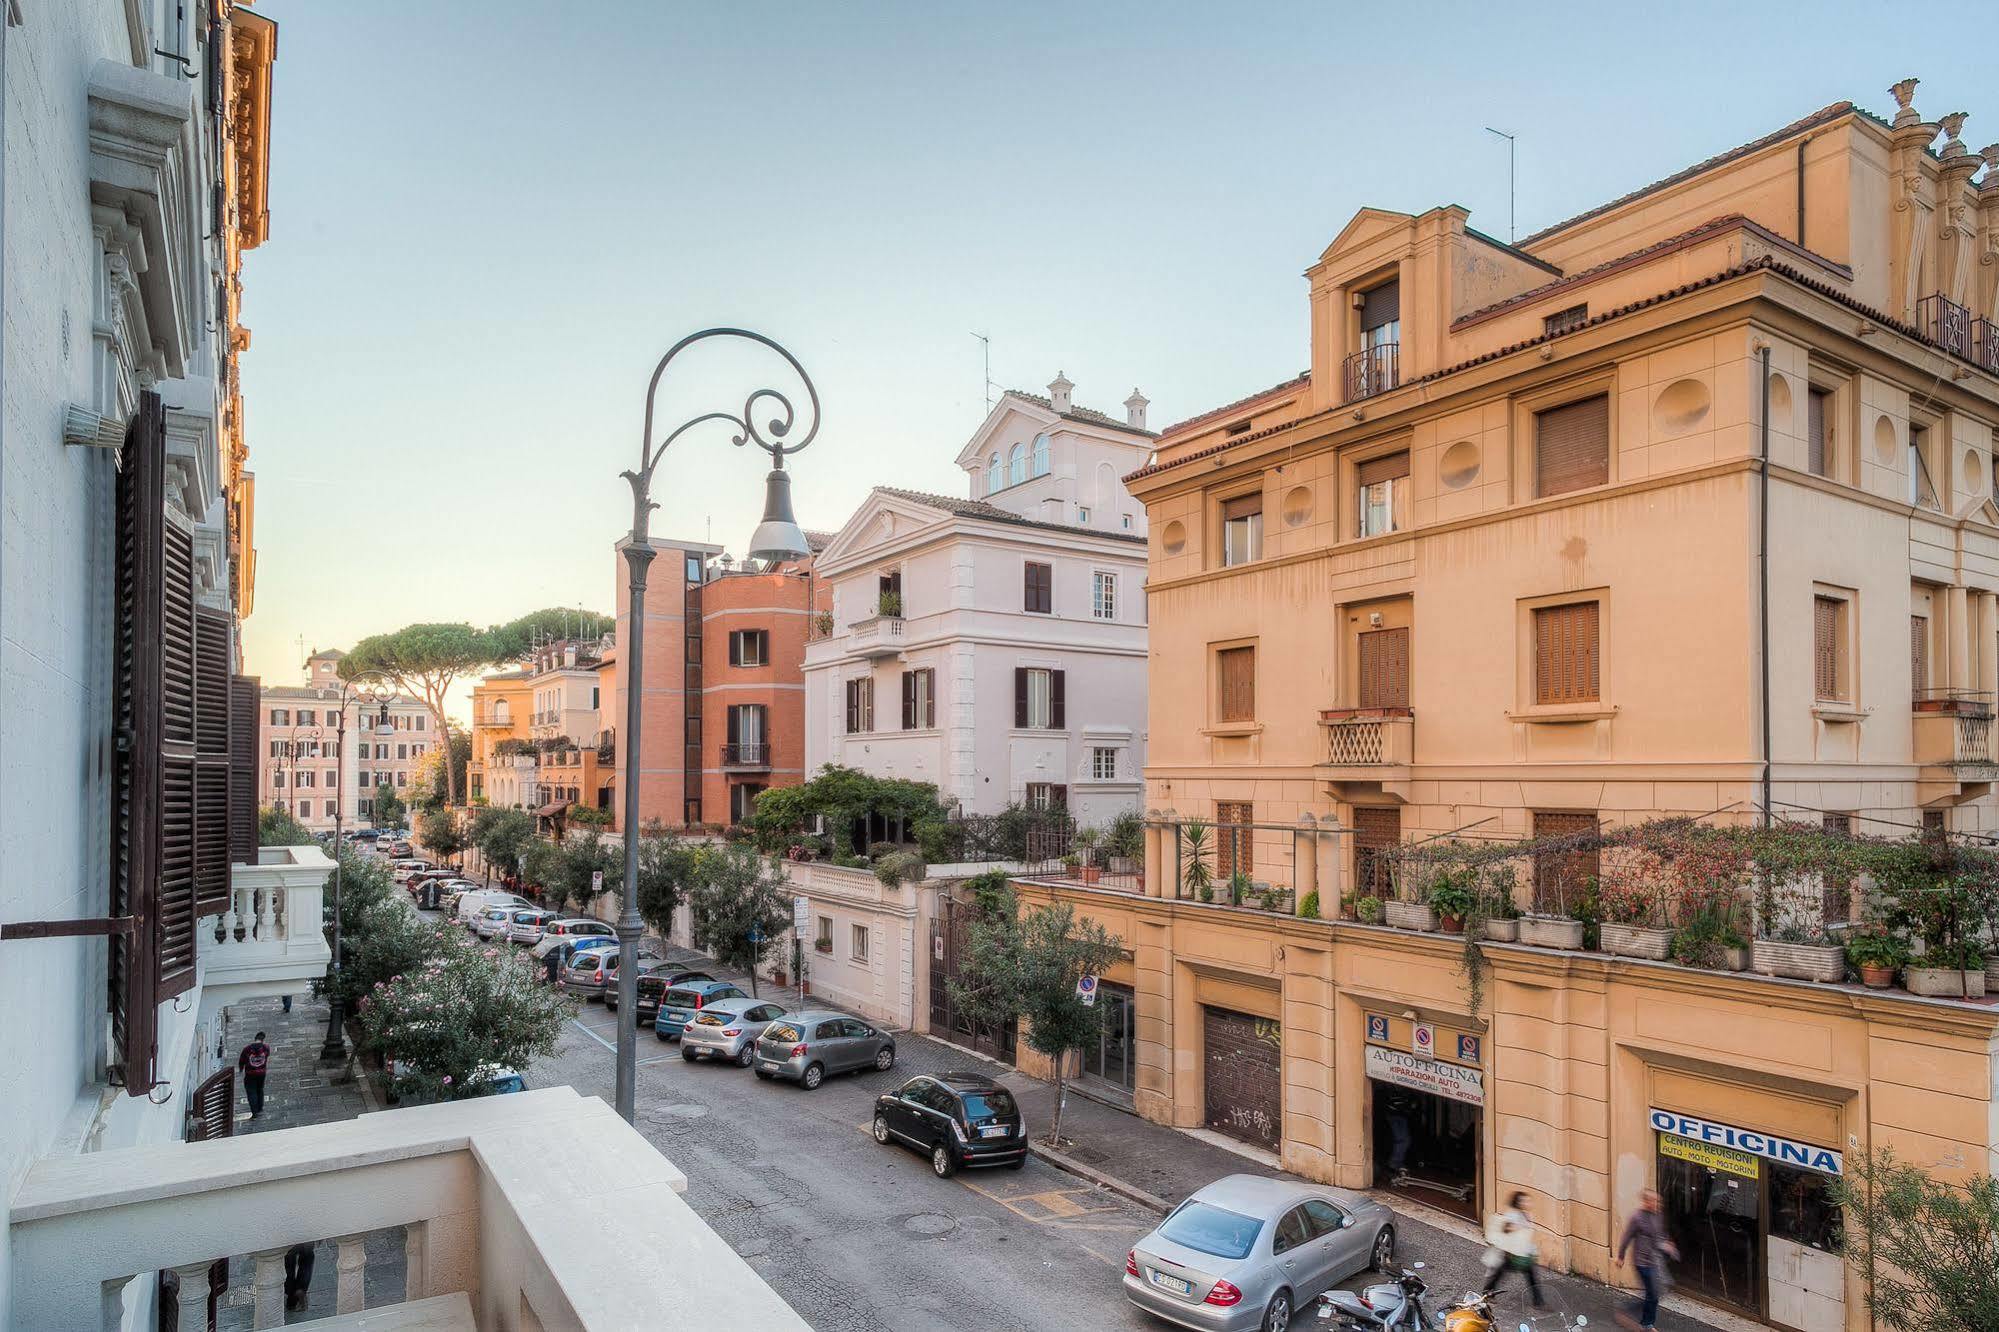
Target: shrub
x=1875, y=945
x=1368, y=909
x=1452, y=893
x=1309, y=908
x=461, y=1011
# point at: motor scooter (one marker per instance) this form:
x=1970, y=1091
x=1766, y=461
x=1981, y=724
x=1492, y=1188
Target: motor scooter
x=1474, y=1313
x=1390, y=1306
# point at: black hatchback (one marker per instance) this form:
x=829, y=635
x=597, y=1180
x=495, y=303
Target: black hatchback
x=956, y=1119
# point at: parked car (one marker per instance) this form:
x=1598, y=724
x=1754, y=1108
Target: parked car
x=680, y=1002
x=569, y=927
x=1248, y=1251
x=805, y=1047
x=591, y=972
x=956, y=1119
x=472, y=903
x=526, y=925
x=726, y=1029
x=654, y=983
x=493, y=922
x=401, y=868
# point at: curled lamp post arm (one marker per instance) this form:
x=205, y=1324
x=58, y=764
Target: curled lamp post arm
x=770, y=438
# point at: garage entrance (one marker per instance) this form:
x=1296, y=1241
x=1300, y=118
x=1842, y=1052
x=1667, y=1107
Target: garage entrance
x=1243, y=1076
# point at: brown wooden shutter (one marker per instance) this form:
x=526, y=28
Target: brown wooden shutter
x=1040, y=591
x=1561, y=876
x=1825, y=647
x=1566, y=654
x=212, y=758
x=909, y=700
x=1394, y=467
x=1572, y=446
x=1376, y=829
x=1816, y=452
x=1057, y=707
x=178, y=765
x=735, y=647
x=1237, y=670
x=1020, y=698
x=244, y=691
x=853, y=706
x=1919, y=656
x=211, y=1111
x=1384, y=668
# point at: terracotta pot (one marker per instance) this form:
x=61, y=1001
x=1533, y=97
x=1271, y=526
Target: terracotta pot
x=1876, y=976
x=1452, y=925
x=1091, y=874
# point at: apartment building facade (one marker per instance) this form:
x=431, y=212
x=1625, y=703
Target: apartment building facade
x=670, y=773
x=996, y=645
x=1505, y=562
x=502, y=706
x=306, y=766
x=754, y=623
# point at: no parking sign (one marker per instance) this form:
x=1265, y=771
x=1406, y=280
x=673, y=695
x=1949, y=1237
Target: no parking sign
x=1423, y=1041
x=1086, y=990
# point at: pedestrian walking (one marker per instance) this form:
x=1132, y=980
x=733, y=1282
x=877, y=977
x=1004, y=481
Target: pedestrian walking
x=288, y=1003
x=298, y=1276
x=1511, y=1247
x=1646, y=1240
x=254, y=1062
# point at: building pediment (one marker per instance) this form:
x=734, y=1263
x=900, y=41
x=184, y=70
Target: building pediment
x=1010, y=421
x=881, y=520
x=1365, y=227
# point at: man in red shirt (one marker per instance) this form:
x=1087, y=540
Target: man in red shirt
x=254, y=1062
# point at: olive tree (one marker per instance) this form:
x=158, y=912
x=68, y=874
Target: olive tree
x=1929, y=1248
x=740, y=908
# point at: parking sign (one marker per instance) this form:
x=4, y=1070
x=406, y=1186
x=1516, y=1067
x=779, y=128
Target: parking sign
x=1086, y=990
x=801, y=912
x=1424, y=1042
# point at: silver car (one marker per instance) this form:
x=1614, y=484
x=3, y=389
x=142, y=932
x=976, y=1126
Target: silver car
x=728, y=1029
x=805, y=1047
x=1248, y=1251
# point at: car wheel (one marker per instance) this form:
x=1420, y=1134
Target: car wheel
x=1382, y=1256
x=687, y=1054
x=885, y=1060
x=1277, y=1313
x=765, y=1074
x=942, y=1163
x=1016, y=1164
x=813, y=1076
x=662, y=1035
x=881, y=1130
x=746, y=1056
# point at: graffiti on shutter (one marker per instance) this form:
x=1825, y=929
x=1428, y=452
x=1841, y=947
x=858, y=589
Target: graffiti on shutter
x=1242, y=1062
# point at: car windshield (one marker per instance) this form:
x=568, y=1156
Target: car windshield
x=1208, y=1229
x=682, y=998
x=988, y=1105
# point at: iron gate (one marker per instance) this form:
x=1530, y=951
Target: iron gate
x=950, y=939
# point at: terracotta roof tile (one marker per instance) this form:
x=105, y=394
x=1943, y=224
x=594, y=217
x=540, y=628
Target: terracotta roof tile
x=1298, y=380
x=971, y=508
x=1087, y=415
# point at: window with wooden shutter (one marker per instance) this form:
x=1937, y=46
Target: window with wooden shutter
x=1234, y=839
x=1376, y=829
x=1040, y=590
x=1828, y=646
x=212, y=633
x=1566, y=654
x=1378, y=481
x=243, y=696
x=1817, y=457
x=1384, y=668
x=178, y=765
x=1058, y=706
x=918, y=701
x=1235, y=673
x=1919, y=656
x=1572, y=446
x=1562, y=872
x=1020, y=698
x=1242, y=529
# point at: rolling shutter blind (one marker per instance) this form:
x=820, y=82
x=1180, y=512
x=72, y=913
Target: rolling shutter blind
x=1566, y=654
x=1384, y=668
x=1236, y=668
x=135, y=778
x=1815, y=451
x=243, y=693
x=212, y=759
x=1394, y=467
x=1381, y=306
x=1825, y=647
x=1242, y=506
x=1572, y=446
x=1919, y=655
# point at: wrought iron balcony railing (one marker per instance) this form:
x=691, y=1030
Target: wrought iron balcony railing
x=1374, y=370
x=746, y=756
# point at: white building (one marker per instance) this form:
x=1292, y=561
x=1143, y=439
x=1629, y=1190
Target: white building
x=310, y=763
x=996, y=645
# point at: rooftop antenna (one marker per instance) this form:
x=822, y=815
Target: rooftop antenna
x=987, y=343
x=1509, y=179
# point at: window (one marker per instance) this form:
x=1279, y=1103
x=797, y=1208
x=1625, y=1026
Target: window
x=1047, y=796
x=330, y=779
x=1016, y=464
x=1565, y=321
x=1103, y=595
x=1038, y=703
x=1384, y=668
x=1566, y=654
x=382, y=751
x=860, y=943
x=1041, y=455
x=365, y=809
x=593, y=697
x=305, y=809
x=331, y=749
x=1829, y=636
x=402, y=753
x=995, y=480
x=743, y=801
x=1818, y=452
x=1127, y=522
x=1572, y=446
x=361, y=779
x=305, y=778
x=276, y=746
x=1562, y=876
x=1040, y=595
x=1082, y=514
x=402, y=779
x=747, y=734
x=919, y=700
x=1235, y=676
x=860, y=705
x=1103, y=763
x=693, y=568
x=281, y=717
x=824, y=942
x=1291, y=1231
x=1382, y=483
x=1922, y=491
x=1919, y=656
x=278, y=777
x=1242, y=529
x=308, y=717
x=1234, y=838
x=747, y=647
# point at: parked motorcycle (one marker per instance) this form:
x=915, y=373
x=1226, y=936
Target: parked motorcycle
x=1391, y=1306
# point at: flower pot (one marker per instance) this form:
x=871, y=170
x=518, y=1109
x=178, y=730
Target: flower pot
x=1503, y=931
x=1974, y=984
x=1812, y=962
x=1551, y=931
x=1940, y=982
x=1452, y=924
x=1736, y=958
x=1876, y=975
x=1992, y=976
x=1410, y=915
x=1091, y=874
x=1645, y=941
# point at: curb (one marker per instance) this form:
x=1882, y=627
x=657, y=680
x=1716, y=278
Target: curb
x=1064, y=1162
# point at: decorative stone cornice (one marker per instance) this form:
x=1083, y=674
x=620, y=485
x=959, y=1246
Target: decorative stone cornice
x=142, y=171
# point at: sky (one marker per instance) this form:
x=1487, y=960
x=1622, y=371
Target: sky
x=490, y=220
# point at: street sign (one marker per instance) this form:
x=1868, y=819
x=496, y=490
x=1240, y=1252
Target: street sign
x=1424, y=1040
x=1086, y=990
x=801, y=912
x=756, y=934
x=596, y=881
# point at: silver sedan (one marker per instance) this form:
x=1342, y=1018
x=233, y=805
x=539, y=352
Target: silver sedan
x=728, y=1029
x=1248, y=1251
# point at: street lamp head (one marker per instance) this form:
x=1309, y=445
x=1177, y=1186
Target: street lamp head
x=778, y=537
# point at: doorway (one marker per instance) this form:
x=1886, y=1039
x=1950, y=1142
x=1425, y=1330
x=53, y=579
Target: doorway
x=1427, y=1148
x=1757, y=1236
x=1111, y=1062
x=1712, y=1213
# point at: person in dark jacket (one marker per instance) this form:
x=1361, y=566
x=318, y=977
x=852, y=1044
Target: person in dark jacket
x=298, y=1276
x=254, y=1063
x=1646, y=1241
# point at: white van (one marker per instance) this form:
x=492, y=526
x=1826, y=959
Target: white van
x=400, y=870
x=471, y=904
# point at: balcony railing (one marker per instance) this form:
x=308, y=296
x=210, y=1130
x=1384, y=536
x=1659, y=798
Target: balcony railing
x=746, y=756
x=1368, y=737
x=489, y=1220
x=1374, y=370
x=878, y=635
x=271, y=938
x=1985, y=344
x=1953, y=729
x=1945, y=323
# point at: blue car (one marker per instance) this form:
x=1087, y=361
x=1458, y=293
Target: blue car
x=679, y=1004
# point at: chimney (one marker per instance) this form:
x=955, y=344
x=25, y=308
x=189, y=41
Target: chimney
x=1058, y=393
x=1134, y=410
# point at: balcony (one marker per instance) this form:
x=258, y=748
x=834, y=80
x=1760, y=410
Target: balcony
x=1374, y=370
x=1370, y=745
x=493, y=717
x=1985, y=344
x=877, y=636
x=271, y=938
x=1953, y=743
x=488, y=1211
x=746, y=758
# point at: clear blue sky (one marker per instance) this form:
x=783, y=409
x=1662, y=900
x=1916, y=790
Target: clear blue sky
x=489, y=220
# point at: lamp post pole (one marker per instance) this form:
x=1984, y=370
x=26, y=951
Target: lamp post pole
x=777, y=537
x=333, y=1050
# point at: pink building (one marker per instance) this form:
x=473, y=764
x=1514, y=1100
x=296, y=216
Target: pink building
x=306, y=768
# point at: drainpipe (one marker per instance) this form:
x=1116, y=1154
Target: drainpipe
x=1801, y=189
x=1763, y=556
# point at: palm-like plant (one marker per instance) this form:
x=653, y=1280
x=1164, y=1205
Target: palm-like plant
x=1195, y=875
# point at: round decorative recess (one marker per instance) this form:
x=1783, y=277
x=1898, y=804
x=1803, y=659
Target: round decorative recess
x=1298, y=506
x=1174, y=539
x=1780, y=399
x=1458, y=467
x=1972, y=482
x=1681, y=405
x=1885, y=439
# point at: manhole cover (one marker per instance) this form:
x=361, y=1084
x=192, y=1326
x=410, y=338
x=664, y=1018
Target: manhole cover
x=929, y=1225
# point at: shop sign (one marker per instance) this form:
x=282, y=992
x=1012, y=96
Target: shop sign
x=1725, y=1159
x=1784, y=1151
x=1427, y=1075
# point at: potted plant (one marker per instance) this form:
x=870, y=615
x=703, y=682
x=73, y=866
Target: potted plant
x=889, y=606
x=1876, y=953
x=1452, y=898
x=1367, y=910
x=1791, y=936
x=1196, y=878
x=1084, y=845
x=1633, y=911
x=1240, y=888
x=1940, y=906
x=1409, y=915
x=1501, y=917
x=1072, y=862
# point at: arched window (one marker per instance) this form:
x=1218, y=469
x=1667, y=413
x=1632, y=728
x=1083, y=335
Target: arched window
x=1016, y=464
x=1041, y=455
x=995, y=479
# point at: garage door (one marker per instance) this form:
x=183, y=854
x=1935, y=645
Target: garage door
x=1244, y=1076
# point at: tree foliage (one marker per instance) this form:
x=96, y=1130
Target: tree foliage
x=441, y=833
x=740, y=907
x=515, y=639
x=669, y=870
x=503, y=836
x=424, y=660
x=579, y=858
x=847, y=798
x=1931, y=1248
x=430, y=785
x=277, y=827
x=389, y=810
x=1023, y=968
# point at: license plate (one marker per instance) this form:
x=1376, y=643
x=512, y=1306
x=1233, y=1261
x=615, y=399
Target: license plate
x=1172, y=1283
x=767, y=1066
x=993, y=1131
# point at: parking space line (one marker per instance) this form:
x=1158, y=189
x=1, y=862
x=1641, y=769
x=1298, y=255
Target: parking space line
x=593, y=1035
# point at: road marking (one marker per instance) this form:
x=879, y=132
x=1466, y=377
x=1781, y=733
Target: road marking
x=593, y=1036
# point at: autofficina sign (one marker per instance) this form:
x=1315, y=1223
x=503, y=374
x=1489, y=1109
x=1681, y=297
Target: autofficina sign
x=1769, y=1146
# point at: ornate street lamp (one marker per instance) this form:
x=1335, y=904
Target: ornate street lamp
x=367, y=689
x=777, y=537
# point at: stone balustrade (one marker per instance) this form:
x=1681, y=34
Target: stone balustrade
x=270, y=938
